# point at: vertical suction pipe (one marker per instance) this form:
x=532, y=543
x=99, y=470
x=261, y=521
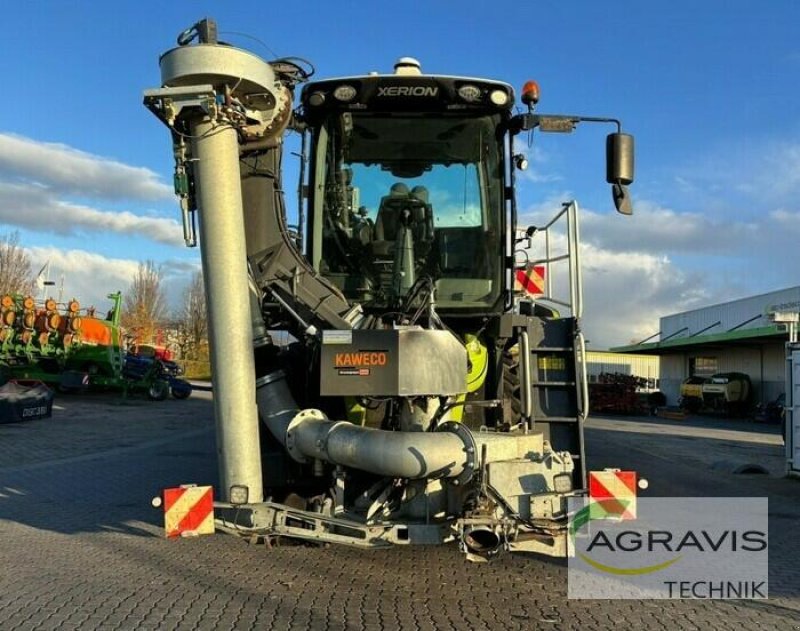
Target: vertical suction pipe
x=211, y=87
x=222, y=247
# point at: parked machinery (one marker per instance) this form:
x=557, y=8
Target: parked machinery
x=31, y=330
x=421, y=401
x=729, y=392
x=74, y=348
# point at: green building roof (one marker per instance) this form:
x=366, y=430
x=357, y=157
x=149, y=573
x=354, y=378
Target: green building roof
x=740, y=336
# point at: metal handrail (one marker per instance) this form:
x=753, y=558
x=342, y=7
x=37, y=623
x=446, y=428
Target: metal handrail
x=574, y=303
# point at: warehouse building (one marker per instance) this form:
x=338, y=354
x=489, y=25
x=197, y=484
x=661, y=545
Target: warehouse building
x=738, y=336
x=646, y=367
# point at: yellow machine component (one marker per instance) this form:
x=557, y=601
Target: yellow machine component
x=356, y=413
x=478, y=364
x=478, y=358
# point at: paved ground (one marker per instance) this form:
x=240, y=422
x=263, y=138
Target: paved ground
x=80, y=547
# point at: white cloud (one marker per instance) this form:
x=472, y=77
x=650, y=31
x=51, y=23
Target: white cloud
x=778, y=176
x=787, y=222
x=656, y=229
x=747, y=174
x=90, y=277
x=625, y=294
x=87, y=276
x=539, y=170
x=69, y=171
x=35, y=208
x=630, y=278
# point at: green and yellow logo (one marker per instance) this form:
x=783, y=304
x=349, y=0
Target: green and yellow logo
x=603, y=510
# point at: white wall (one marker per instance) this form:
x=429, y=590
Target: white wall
x=767, y=377
x=644, y=366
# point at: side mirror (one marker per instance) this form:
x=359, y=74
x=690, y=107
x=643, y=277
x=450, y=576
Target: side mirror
x=622, y=199
x=619, y=169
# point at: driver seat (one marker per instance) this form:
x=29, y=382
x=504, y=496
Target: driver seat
x=388, y=219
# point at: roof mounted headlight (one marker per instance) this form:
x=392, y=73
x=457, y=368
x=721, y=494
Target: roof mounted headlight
x=499, y=97
x=344, y=93
x=316, y=99
x=470, y=93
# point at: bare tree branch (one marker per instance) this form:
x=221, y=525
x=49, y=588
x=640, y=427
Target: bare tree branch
x=145, y=305
x=16, y=276
x=191, y=321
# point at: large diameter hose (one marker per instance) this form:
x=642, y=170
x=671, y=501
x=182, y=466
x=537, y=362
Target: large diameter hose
x=308, y=434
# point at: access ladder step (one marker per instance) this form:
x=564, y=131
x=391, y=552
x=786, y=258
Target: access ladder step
x=552, y=384
x=555, y=419
x=552, y=349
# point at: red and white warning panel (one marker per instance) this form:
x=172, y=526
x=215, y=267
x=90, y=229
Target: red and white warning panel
x=189, y=510
x=615, y=491
x=530, y=280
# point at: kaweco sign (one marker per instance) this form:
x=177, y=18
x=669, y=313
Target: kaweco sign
x=391, y=362
x=707, y=548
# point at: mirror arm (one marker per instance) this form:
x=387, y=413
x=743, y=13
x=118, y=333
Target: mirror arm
x=556, y=122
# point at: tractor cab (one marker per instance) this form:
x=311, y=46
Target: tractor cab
x=406, y=188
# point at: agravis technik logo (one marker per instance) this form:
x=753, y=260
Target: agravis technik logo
x=676, y=548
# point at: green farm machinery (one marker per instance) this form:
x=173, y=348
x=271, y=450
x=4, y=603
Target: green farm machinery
x=72, y=349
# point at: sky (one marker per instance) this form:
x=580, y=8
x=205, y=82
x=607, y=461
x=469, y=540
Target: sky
x=709, y=89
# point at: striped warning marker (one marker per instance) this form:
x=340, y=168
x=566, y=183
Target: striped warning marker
x=530, y=280
x=189, y=510
x=615, y=491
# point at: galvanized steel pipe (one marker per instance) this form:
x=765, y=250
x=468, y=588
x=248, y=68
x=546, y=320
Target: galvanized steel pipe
x=309, y=434
x=222, y=247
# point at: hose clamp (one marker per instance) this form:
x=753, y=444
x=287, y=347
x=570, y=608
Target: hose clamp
x=470, y=451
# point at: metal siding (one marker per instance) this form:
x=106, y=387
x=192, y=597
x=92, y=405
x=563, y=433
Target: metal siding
x=673, y=372
x=646, y=366
x=672, y=390
x=730, y=314
x=674, y=367
x=746, y=360
x=774, y=372
x=775, y=362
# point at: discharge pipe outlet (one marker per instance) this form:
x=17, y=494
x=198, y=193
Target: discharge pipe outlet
x=309, y=434
x=482, y=541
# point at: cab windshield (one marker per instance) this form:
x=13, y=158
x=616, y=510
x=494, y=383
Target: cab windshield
x=403, y=200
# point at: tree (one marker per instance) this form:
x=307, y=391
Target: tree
x=15, y=267
x=145, y=302
x=192, y=320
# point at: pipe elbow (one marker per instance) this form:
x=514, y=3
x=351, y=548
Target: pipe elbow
x=309, y=434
